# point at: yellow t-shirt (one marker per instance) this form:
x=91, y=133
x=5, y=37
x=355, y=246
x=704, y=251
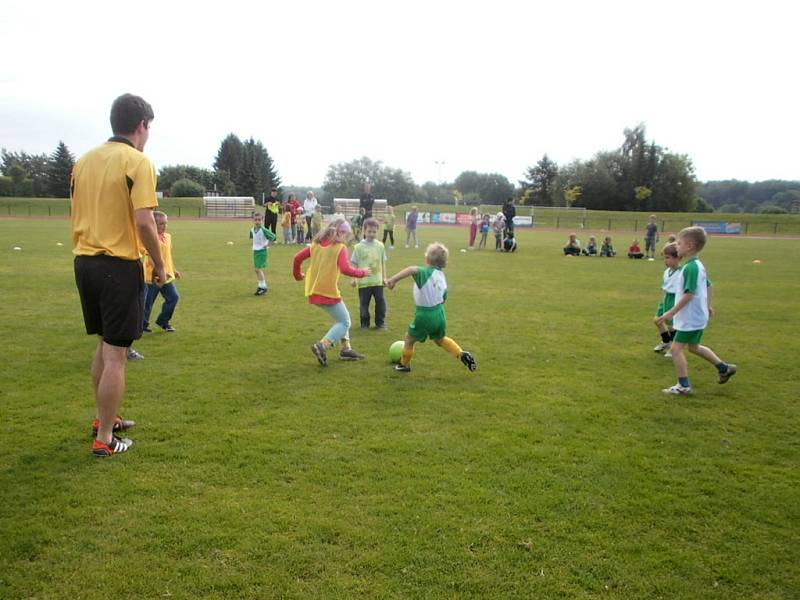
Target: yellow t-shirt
x=108, y=184
x=322, y=277
x=165, y=243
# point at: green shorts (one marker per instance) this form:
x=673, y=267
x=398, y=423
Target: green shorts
x=661, y=310
x=689, y=337
x=429, y=322
x=260, y=258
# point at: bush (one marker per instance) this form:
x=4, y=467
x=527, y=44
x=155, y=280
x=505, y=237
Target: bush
x=702, y=206
x=6, y=186
x=730, y=208
x=186, y=188
x=771, y=209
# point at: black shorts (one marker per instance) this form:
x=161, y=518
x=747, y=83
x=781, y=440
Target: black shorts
x=650, y=244
x=112, y=297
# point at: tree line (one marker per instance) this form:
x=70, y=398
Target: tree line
x=640, y=175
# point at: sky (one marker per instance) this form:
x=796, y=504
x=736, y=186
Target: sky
x=434, y=88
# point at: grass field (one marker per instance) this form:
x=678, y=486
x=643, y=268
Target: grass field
x=557, y=470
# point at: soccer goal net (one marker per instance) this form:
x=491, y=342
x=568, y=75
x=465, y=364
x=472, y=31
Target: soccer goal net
x=558, y=216
x=229, y=206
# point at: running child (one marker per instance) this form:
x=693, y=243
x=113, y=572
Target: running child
x=261, y=237
x=328, y=254
x=669, y=283
x=168, y=290
x=430, y=320
x=691, y=312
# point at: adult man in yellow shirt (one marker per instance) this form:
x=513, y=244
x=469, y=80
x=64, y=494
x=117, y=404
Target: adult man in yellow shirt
x=113, y=191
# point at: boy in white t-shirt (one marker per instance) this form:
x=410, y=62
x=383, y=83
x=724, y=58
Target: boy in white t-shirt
x=691, y=312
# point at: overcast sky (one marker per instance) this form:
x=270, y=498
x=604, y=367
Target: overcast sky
x=488, y=86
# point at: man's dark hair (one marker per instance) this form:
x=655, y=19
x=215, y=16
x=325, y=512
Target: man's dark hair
x=127, y=112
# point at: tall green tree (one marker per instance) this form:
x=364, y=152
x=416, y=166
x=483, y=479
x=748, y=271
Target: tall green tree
x=60, y=171
x=485, y=188
x=674, y=186
x=28, y=171
x=210, y=180
x=346, y=180
x=230, y=157
x=540, y=180
x=248, y=166
x=257, y=174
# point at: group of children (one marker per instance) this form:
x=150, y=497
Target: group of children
x=504, y=240
x=573, y=247
x=683, y=314
x=328, y=256
x=681, y=317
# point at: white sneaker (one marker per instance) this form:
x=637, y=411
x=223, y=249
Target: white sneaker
x=662, y=346
x=678, y=390
x=134, y=355
x=668, y=354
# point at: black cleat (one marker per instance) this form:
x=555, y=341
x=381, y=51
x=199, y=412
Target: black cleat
x=469, y=361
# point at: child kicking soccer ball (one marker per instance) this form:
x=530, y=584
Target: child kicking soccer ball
x=430, y=292
x=691, y=312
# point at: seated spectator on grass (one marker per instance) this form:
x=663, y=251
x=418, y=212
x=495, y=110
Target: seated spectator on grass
x=573, y=247
x=591, y=247
x=607, y=249
x=634, y=251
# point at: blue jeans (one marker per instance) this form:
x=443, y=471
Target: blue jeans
x=171, y=297
x=340, y=330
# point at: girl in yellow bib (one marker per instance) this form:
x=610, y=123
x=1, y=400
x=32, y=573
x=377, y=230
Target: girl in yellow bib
x=329, y=258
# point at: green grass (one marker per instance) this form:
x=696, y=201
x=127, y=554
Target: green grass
x=557, y=470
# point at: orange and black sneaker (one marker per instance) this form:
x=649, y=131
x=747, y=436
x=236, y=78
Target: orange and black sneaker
x=116, y=446
x=120, y=424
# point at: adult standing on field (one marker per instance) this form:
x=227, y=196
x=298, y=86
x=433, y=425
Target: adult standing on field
x=509, y=212
x=367, y=201
x=309, y=208
x=272, y=210
x=113, y=192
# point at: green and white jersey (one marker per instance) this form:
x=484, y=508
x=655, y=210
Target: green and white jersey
x=430, y=287
x=670, y=285
x=692, y=280
x=261, y=237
